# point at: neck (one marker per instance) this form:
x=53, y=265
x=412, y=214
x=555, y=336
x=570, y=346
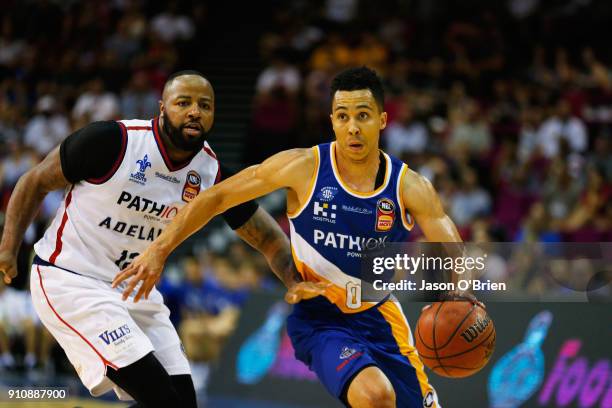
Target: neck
x=360, y=174
x=176, y=154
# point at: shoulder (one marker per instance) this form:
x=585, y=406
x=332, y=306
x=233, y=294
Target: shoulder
x=301, y=160
x=139, y=124
x=418, y=194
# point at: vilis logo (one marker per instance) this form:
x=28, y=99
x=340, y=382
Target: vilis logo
x=385, y=214
x=327, y=193
x=324, y=212
x=113, y=336
x=191, y=189
x=139, y=176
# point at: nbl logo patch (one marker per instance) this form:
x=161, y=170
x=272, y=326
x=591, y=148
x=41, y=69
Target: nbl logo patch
x=192, y=186
x=385, y=214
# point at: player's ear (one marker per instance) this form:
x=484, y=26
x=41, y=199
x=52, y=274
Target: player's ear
x=383, y=120
x=161, y=106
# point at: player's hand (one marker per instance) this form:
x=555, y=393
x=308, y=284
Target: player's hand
x=458, y=295
x=146, y=268
x=8, y=265
x=305, y=290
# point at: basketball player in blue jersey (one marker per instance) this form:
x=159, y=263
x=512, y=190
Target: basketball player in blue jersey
x=339, y=195
x=124, y=182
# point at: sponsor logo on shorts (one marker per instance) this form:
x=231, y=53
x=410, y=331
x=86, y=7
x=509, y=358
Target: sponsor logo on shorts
x=428, y=401
x=347, y=352
x=192, y=186
x=355, y=355
x=115, y=336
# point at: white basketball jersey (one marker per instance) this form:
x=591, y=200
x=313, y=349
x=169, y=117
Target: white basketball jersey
x=104, y=224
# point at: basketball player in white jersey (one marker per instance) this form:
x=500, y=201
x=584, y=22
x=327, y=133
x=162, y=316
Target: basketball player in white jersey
x=338, y=195
x=124, y=182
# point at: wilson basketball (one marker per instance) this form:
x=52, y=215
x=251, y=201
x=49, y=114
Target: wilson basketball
x=455, y=338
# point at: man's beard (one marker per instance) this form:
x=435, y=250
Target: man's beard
x=178, y=140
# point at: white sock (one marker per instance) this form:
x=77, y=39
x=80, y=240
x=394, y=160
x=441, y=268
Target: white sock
x=30, y=360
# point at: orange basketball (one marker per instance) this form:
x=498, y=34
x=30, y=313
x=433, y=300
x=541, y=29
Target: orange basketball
x=455, y=338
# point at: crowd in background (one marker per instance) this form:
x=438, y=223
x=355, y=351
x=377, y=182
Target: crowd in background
x=504, y=107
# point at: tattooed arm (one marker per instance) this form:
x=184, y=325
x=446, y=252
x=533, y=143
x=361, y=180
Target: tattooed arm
x=264, y=234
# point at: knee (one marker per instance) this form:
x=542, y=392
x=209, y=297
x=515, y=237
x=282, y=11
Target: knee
x=374, y=394
x=379, y=396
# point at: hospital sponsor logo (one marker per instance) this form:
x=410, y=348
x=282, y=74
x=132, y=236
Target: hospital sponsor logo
x=327, y=193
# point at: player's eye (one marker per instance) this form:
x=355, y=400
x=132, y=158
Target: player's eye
x=183, y=103
x=205, y=106
x=363, y=116
x=341, y=116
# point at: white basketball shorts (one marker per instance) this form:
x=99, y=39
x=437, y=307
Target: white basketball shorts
x=97, y=329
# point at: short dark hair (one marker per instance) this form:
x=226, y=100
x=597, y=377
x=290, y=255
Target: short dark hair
x=177, y=74
x=353, y=79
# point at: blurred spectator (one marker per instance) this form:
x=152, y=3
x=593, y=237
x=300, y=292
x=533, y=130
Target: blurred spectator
x=341, y=11
x=171, y=26
x=275, y=114
x=48, y=128
x=139, y=100
x=470, y=201
x=561, y=192
x=20, y=160
x=123, y=43
x=209, y=298
x=470, y=131
x=537, y=227
x=95, y=104
x=280, y=76
x=405, y=134
x=17, y=319
x=562, y=125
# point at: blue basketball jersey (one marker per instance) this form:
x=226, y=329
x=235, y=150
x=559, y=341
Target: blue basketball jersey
x=330, y=231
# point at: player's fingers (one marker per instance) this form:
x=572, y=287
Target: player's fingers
x=140, y=293
x=132, y=284
x=123, y=275
x=291, y=298
x=9, y=274
x=150, y=285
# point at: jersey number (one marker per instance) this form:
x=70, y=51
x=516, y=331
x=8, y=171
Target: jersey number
x=353, y=295
x=126, y=259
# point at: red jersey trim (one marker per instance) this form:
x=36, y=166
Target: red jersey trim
x=60, y=230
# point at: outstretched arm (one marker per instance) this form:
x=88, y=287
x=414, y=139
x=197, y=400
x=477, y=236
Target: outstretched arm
x=284, y=170
x=25, y=201
x=422, y=201
x=265, y=235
